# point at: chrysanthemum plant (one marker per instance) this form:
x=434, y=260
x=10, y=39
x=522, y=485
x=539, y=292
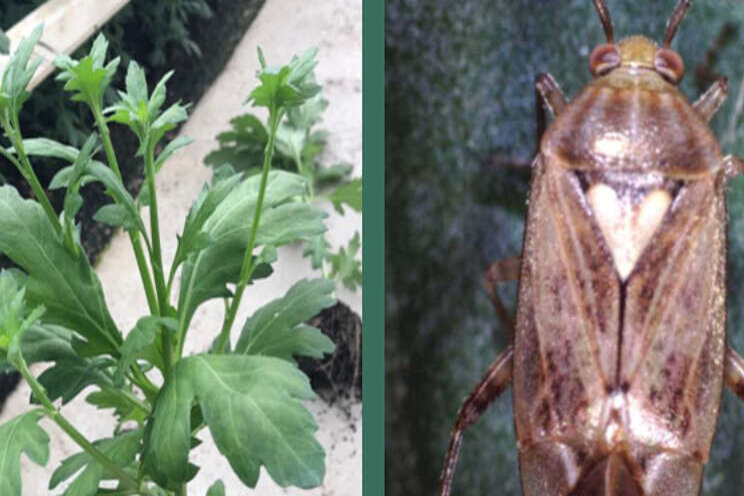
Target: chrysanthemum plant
x=52, y=308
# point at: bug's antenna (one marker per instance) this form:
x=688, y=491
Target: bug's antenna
x=675, y=21
x=604, y=16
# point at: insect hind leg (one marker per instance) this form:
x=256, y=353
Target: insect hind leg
x=496, y=380
x=735, y=372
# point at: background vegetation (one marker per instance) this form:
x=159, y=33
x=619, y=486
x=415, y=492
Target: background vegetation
x=459, y=106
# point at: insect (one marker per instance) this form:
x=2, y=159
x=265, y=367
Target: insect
x=619, y=354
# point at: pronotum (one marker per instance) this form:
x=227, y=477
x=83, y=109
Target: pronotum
x=619, y=353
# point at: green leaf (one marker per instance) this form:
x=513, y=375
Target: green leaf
x=243, y=146
x=116, y=216
x=45, y=147
x=73, y=200
x=15, y=317
x=20, y=435
x=47, y=343
x=308, y=114
x=65, y=285
x=252, y=406
x=276, y=328
x=88, y=77
x=286, y=86
x=216, y=489
x=344, y=265
x=290, y=142
x=206, y=273
x=317, y=249
x=350, y=194
x=121, y=449
x=333, y=173
x=193, y=237
x=18, y=73
x=124, y=214
x=143, y=336
x=170, y=149
x=141, y=113
x=69, y=376
x=123, y=410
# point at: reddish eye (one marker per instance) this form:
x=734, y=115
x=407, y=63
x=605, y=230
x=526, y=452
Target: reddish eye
x=669, y=64
x=603, y=59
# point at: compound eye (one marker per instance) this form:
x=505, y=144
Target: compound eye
x=604, y=58
x=669, y=64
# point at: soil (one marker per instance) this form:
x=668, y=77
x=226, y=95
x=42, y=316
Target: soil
x=340, y=374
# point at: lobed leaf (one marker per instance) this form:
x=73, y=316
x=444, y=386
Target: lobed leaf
x=206, y=272
x=345, y=266
x=252, y=406
x=277, y=328
x=18, y=73
x=121, y=449
x=69, y=376
x=144, y=340
x=317, y=250
x=20, y=435
x=348, y=194
x=88, y=77
x=65, y=285
x=141, y=112
x=288, y=85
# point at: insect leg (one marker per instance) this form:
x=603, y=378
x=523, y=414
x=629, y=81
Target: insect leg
x=710, y=101
x=732, y=166
x=735, y=372
x=502, y=271
x=494, y=383
x=548, y=95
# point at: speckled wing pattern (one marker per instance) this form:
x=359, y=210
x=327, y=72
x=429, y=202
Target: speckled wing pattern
x=582, y=388
x=566, y=339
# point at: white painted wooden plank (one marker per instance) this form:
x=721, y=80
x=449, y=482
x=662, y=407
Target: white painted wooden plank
x=67, y=25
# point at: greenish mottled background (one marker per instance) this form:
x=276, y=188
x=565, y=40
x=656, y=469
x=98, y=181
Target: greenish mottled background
x=459, y=102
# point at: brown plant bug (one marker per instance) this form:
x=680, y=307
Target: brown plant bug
x=619, y=352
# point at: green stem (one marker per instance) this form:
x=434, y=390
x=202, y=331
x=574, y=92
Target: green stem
x=54, y=414
x=141, y=380
x=134, y=237
x=246, y=271
x=128, y=397
x=181, y=490
x=156, y=257
x=14, y=134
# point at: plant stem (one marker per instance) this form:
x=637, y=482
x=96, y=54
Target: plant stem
x=134, y=237
x=14, y=134
x=128, y=397
x=181, y=490
x=156, y=256
x=140, y=379
x=246, y=271
x=54, y=414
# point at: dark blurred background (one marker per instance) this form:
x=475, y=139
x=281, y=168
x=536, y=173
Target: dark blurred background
x=459, y=118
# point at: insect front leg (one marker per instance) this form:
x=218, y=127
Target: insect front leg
x=710, y=101
x=496, y=380
x=548, y=95
x=732, y=166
